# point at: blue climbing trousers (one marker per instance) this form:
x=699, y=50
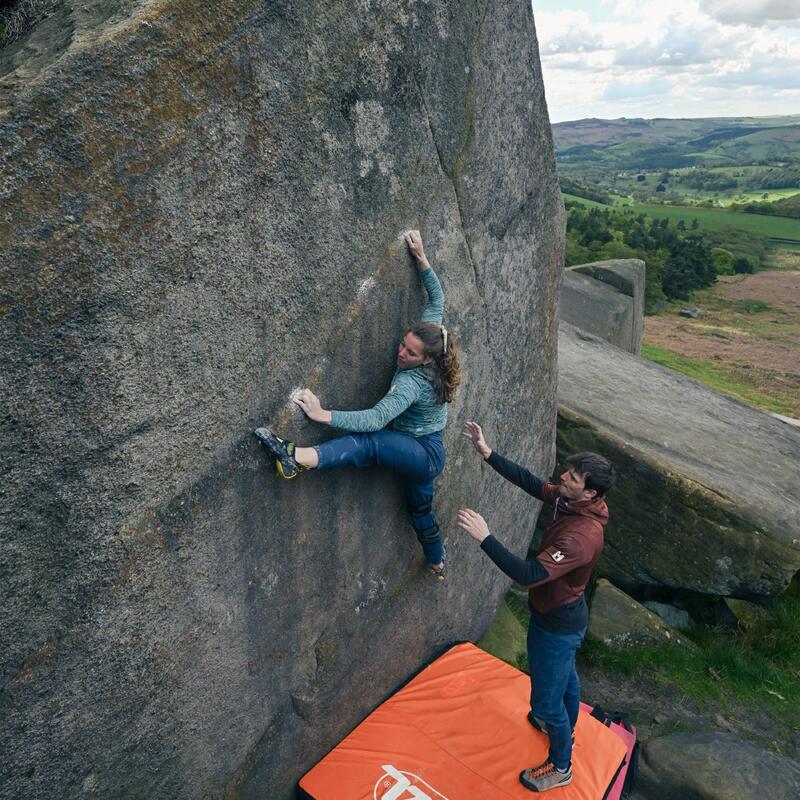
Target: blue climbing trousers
x=416, y=459
x=555, y=688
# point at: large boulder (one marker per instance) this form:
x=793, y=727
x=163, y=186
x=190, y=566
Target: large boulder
x=606, y=298
x=201, y=211
x=714, y=766
x=707, y=497
x=619, y=621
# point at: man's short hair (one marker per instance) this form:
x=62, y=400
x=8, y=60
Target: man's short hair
x=598, y=472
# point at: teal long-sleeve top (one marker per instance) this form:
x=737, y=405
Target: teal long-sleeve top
x=411, y=400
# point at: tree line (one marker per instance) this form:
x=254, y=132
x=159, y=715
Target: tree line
x=679, y=258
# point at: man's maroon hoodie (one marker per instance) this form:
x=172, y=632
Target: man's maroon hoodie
x=571, y=546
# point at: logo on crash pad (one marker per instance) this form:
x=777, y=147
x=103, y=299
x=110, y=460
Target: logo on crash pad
x=397, y=784
x=557, y=556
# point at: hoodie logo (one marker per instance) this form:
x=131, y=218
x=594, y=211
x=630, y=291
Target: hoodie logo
x=557, y=556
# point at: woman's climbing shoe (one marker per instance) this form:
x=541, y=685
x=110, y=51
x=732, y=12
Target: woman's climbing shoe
x=439, y=572
x=288, y=466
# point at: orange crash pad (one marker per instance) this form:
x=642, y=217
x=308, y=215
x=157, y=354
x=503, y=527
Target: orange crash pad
x=459, y=731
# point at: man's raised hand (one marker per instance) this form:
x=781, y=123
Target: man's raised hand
x=474, y=433
x=473, y=523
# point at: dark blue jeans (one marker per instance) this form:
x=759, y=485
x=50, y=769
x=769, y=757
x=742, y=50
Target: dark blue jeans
x=416, y=459
x=555, y=688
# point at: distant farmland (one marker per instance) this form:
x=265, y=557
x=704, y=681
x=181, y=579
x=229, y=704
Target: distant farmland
x=583, y=201
x=782, y=228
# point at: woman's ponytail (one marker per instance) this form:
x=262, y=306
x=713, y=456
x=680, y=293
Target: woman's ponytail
x=445, y=357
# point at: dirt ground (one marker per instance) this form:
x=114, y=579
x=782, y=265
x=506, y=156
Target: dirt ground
x=751, y=324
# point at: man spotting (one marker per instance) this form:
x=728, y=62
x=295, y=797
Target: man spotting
x=557, y=577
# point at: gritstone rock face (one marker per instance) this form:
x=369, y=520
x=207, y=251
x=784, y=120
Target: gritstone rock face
x=200, y=211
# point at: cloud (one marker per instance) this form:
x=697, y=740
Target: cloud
x=773, y=76
x=622, y=90
x=754, y=13
x=574, y=40
x=672, y=48
x=645, y=57
x=567, y=32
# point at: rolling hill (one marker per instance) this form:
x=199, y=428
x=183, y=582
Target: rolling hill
x=630, y=144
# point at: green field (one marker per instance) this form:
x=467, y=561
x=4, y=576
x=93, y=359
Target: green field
x=583, y=201
x=759, y=195
x=713, y=161
x=714, y=220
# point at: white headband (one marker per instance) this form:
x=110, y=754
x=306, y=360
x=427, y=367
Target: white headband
x=444, y=336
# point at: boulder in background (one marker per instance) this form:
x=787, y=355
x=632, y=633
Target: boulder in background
x=706, y=498
x=606, y=298
x=714, y=766
x=674, y=617
x=620, y=622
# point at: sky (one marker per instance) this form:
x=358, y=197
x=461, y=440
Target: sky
x=654, y=58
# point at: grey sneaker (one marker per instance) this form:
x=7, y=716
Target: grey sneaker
x=544, y=777
x=288, y=466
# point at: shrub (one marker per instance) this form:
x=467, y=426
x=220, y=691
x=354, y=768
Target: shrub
x=723, y=260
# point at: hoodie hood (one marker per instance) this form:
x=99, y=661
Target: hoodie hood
x=595, y=509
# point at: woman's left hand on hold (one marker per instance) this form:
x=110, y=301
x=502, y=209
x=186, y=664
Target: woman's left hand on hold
x=310, y=404
x=414, y=242
x=473, y=523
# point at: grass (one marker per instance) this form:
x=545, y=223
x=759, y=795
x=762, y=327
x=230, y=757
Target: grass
x=714, y=219
x=583, y=201
x=757, y=196
x=749, y=306
x=747, y=316
x=717, y=377
x=752, y=667
x=784, y=257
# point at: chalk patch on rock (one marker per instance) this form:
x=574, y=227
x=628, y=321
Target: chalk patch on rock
x=372, y=133
x=291, y=403
x=375, y=591
x=367, y=286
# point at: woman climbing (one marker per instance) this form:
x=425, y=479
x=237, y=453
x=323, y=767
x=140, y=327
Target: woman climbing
x=426, y=377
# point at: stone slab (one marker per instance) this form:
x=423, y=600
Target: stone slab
x=606, y=298
x=707, y=497
x=620, y=622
